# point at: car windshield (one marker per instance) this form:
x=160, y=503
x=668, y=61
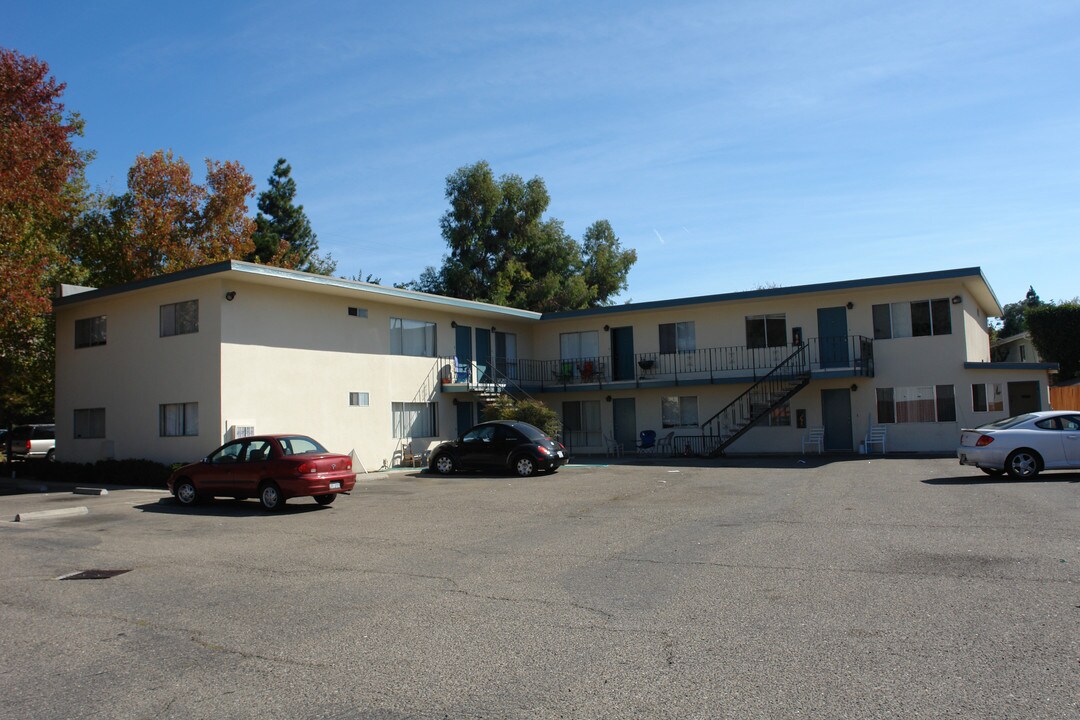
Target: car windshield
x=300, y=445
x=1007, y=422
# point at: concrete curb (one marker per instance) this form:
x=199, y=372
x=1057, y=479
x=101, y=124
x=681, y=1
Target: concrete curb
x=90, y=491
x=49, y=514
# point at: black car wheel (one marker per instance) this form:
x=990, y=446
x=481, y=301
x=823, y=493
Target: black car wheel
x=1023, y=464
x=270, y=496
x=525, y=466
x=444, y=464
x=326, y=499
x=186, y=494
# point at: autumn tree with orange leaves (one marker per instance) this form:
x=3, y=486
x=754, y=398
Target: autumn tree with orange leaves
x=41, y=190
x=166, y=222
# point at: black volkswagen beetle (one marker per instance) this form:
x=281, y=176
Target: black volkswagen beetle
x=500, y=445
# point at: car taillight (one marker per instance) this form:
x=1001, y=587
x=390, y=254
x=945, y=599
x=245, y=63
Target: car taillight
x=305, y=468
x=348, y=464
x=543, y=450
x=983, y=441
x=27, y=446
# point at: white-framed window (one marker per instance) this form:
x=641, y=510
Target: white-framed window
x=677, y=337
x=357, y=312
x=1023, y=353
x=179, y=318
x=918, y=318
x=919, y=404
x=681, y=411
x=764, y=331
x=89, y=423
x=412, y=337
x=178, y=419
x=988, y=397
x=415, y=420
x=359, y=399
x=90, y=332
x=574, y=345
x=582, y=422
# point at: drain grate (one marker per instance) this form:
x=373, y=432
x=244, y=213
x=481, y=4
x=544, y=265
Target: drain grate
x=93, y=574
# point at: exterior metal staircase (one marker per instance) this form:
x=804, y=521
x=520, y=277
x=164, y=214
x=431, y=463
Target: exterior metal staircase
x=773, y=390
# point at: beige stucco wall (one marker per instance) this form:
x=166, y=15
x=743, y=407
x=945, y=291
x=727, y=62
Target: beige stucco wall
x=135, y=372
x=284, y=355
x=290, y=358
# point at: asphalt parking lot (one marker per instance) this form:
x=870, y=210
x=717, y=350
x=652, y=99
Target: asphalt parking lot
x=850, y=588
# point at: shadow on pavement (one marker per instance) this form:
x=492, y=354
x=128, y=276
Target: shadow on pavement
x=1003, y=479
x=230, y=508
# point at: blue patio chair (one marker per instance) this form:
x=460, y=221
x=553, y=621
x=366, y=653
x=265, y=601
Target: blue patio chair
x=461, y=371
x=647, y=442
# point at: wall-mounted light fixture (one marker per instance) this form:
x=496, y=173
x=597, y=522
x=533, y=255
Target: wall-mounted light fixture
x=453, y=323
x=607, y=328
x=850, y=305
x=957, y=300
x=230, y=295
x=608, y=398
x=492, y=328
x=854, y=387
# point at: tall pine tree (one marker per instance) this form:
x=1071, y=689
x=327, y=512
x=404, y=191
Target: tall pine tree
x=283, y=234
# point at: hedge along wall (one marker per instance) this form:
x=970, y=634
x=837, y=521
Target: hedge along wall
x=1055, y=331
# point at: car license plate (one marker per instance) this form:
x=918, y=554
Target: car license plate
x=335, y=486
x=559, y=453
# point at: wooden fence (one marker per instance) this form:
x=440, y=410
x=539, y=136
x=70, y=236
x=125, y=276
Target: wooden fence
x=1065, y=398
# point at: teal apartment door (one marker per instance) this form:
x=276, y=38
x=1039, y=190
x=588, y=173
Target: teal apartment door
x=832, y=337
x=624, y=416
x=836, y=417
x=622, y=354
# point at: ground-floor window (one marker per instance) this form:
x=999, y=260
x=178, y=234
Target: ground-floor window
x=90, y=423
x=415, y=420
x=779, y=416
x=919, y=404
x=679, y=411
x=987, y=397
x=582, y=422
x=178, y=419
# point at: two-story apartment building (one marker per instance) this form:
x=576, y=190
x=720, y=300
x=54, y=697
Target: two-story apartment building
x=169, y=368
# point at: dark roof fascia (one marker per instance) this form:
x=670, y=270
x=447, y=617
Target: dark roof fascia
x=1011, y=366
x=779, y=292
x=294, y=275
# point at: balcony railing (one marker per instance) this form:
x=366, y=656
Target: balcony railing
x=844, y=356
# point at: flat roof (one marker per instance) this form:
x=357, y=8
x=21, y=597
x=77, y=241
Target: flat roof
x=276, y=275
x=981, y=290
x=988, y=300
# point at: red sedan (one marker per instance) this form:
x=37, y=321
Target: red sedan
x=272, y=468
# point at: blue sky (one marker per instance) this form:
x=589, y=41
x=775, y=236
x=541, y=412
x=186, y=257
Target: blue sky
x=732, y=144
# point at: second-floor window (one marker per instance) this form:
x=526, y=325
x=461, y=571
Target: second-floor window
x=573, y=345
x=412, y=337
x=766, y=331
x=180, y=318
x=90, y=332
x=677, y=337
x=919, y=318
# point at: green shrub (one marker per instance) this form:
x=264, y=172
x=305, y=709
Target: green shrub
x=530, y=411
x=1055, y=332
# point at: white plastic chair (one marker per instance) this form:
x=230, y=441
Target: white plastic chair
x=814, y=438
x=612, y=446
x=876, y=436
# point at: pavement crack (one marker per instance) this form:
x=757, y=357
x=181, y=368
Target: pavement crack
x=537, y=601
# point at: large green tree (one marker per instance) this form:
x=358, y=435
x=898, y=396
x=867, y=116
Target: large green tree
x=1055, y=332
x=504, y=251
x=283, y=233
x=1013, y=322
x=42, y=188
